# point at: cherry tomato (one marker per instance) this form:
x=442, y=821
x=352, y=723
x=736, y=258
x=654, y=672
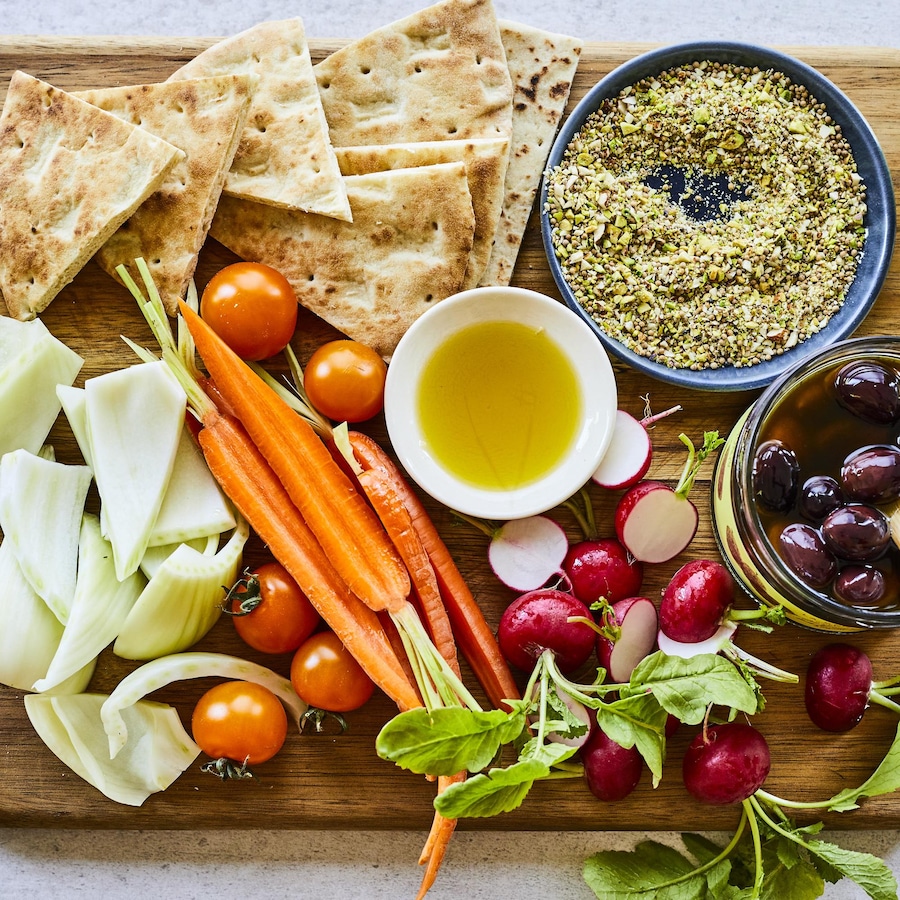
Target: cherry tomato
x=241, y=721
x=344, y=380
x=280, y=616
x=252, y=307
x=326, y=675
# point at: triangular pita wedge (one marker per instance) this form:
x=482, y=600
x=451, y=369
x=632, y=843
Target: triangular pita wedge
x=285, y=156
x=70, y=175
x=439, y=73
x=204, y=118
x=406, y=249
x=542, y=66
x=485, y=160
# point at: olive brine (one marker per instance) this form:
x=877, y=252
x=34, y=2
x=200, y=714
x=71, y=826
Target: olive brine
x=826, y=478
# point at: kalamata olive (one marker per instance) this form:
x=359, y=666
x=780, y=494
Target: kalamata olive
x=805, y=554
x=857, y=532
x=776, y=474
x=819, y=495
x=872, y=474
x=859, y=585
x=869, y=390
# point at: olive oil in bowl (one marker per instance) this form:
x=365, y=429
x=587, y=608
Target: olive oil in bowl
x=499, y=404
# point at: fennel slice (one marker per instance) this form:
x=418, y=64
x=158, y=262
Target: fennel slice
x=101, y=605
x=134, y=421
x=41, y=505
x=32, y=363
x=160, y=751
x=182, y=601
x=194, y=505
x=154, y=557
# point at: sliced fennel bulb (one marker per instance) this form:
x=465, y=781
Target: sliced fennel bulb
x=159, y=751
x=41, y=505
x=32, y=363
x=182, y=600
x=179, y=667
x=135, y=417
x=101, y=605
x=156, y=556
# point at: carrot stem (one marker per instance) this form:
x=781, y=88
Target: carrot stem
x=340, y=518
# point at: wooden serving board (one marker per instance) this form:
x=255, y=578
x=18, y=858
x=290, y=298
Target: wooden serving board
x=339, y=782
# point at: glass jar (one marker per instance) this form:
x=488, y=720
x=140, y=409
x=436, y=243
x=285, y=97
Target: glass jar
x=738, y=524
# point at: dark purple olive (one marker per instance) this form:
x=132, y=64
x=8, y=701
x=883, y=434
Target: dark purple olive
x=805, y=554
x=776, y=474
x=872, y=474
x=819, y=495
x=859, y=585
x=870, y=391
x=857, y=532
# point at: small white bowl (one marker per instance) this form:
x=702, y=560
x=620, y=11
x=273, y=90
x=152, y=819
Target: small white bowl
x=590, y=365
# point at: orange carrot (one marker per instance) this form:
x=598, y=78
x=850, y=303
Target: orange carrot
x=344, y=524
x=256, y=491
x=396, y=520
x=438, y=839
x=472, y=633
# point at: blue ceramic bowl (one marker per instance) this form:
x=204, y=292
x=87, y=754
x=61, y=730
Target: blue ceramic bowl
x=880, y=219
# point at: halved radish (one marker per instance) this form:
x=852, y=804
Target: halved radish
x=656, y=522
x=630, y=451
x=579, y=711
x=634, y=624
x=526, y=553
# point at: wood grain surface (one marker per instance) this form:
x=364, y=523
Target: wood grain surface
x=338, y=782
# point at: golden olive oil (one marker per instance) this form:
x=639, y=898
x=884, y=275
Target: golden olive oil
x=499, y=404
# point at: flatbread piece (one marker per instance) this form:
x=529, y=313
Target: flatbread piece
x=406, y=249
x=542, y=66
x=70, y=175
x=485, y=160
x=204, y=118
x=439, y=73
x=285, y=157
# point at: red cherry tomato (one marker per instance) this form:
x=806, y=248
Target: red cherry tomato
x=241, y=721
x=326, y=675
x=344, y=380
x=252, y=307
x=281, y=617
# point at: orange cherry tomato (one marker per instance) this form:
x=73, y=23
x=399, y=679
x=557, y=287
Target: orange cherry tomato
x=241, y=721
x=252, y=307
x=344, y=380
x=326, y=675
x=270, y=612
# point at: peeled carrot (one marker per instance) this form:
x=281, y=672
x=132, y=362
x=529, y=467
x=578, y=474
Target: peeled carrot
x=344, y=524
x=438, y=839
x=256, y=491
x=396, y=520
x=472, y=633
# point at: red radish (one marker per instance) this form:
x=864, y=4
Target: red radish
x=726, y=763
x=715, y=644
x=612, y=771
x=581, y=712
x=630, y=451
x=695, y=601
x=602, y=568
x=838, y=682
x=656, y=522
x=628, y=635
x=526, y=553
x=538, y=621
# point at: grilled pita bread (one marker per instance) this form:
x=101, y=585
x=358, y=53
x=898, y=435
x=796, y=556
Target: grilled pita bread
x=438, y=74
x=542, y=66
x=285, y=157
x=485, y=162
x=70, y=175
x=204, y=118
x=406, y=249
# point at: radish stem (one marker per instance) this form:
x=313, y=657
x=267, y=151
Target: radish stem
x=583, y=513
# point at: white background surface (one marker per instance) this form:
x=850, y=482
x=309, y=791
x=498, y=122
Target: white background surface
x=39, y=864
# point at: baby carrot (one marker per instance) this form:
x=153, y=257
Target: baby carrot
x=472, y=633
x=344, y=524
